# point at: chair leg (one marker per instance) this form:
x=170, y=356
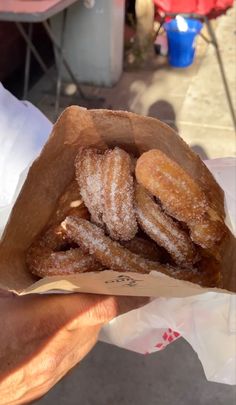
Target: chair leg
x=222, y=71
x=159, y=28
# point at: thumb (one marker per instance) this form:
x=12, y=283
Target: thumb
x=100, y=309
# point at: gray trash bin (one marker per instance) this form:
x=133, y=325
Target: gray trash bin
x=94, y=40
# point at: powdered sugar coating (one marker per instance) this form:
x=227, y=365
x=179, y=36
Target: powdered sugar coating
x=47, y=257
x=114, y=256
x=88, y=171
x=163, y=230
x=181, y=197
x=44, y=262
x=50, y=253
x=118, y=195
x=179, y=194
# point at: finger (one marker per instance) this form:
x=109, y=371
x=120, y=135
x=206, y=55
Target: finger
x=5, y=293
x=100, y=309
x=74, y=310
x=127, y=303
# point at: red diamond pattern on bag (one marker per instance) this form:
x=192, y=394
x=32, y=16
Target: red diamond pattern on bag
x=168, y=336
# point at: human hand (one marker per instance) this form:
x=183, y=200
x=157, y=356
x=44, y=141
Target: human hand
x=43, y=336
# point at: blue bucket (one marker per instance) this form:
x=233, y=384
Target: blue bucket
x=181, y=44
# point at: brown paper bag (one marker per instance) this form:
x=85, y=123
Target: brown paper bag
x=53, y=171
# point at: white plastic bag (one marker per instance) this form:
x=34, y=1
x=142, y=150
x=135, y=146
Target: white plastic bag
x=23, y=132
x=206, y=321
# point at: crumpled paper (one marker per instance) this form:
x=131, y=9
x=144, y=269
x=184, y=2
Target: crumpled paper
x=206, y=321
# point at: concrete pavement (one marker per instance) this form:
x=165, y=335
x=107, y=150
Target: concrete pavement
x=192, y=100
x=113, y=376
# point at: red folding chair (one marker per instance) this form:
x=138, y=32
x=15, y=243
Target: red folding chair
x=203, y=10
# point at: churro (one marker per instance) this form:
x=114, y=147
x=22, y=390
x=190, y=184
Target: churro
x=89, y=171
x=114, y=256
x=144, y=247
x=118, y=195
x=51, y=255
x=69, y=203
x=180, y=196
x=163, y=229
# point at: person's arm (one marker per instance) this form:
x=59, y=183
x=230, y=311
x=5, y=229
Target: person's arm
x=43, y=337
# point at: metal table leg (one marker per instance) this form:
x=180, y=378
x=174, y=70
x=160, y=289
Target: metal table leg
x=222, y=71
x=27, y=63
x=64, y=61
x=32, y=47
x=60, y=62
x=59, y=48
